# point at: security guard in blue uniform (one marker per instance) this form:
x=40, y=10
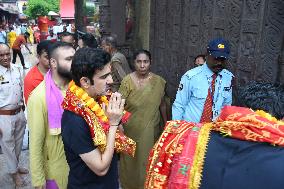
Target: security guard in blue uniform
x=196, y=83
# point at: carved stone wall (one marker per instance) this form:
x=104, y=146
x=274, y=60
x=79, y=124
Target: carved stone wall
x=105, y=19
x=112, y=19
x=181, y=29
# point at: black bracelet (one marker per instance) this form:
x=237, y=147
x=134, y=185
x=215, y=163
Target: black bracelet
x=117, y=124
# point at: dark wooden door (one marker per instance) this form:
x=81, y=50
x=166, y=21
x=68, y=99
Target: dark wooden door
x=181, y=29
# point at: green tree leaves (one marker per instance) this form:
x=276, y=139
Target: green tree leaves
x=37, y=8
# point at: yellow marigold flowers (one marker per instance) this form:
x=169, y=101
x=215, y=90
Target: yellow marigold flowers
x=84, y=96
x=100, y=113
x=104, y=99
x=104, y=119
x=79, y=92
x=95, y=108
x=73, y=88
x=90, y=102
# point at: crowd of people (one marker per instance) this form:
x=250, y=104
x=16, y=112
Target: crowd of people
x=88, y=111
x=18, y=35
x=9, y=33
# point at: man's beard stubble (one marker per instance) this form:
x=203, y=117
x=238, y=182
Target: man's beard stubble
x=218, y=68
x=64, y=73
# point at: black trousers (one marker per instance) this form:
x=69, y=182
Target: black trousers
x=18, y=52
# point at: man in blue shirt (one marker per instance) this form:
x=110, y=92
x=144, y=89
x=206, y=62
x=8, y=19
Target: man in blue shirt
x=2, y=35
x=243, y=149
x=197, y=86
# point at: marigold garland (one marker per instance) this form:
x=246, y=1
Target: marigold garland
x=79, y=102
x=94, y=106
x=91, y=103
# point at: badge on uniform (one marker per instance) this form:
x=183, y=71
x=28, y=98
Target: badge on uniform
x=180, y=87
x=227, y=88
x=2, y=78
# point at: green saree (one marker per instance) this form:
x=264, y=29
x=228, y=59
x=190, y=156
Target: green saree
x=142, y=127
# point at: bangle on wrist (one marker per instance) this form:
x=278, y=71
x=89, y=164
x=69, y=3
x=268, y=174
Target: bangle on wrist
x=115, y=125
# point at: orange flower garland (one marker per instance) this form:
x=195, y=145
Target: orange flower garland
x=104, y=99
x=79, y=102
x=90, y=102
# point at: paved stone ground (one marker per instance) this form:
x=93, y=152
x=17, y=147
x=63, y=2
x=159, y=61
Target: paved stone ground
x=30, y=61
x=6, y=181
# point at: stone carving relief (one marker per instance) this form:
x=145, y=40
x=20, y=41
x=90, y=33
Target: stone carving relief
x=220, y=8
x=248, y=45
x=182, y=29
x=232, y=30
x=271, y=44
x=104, y=20
x=252, y=8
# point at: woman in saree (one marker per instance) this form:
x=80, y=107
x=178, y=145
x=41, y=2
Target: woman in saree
x=144, y=93
x=31, y=32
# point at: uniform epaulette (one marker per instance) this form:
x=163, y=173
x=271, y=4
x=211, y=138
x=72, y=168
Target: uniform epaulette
x=227, y=72
x=190, y=73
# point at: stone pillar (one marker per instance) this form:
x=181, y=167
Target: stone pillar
x=112, y=19
x=280, y=74
x=142, y=24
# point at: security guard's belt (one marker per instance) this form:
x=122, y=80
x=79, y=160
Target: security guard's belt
x=10, y=112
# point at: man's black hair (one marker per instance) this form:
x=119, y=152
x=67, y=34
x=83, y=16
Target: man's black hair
x=1, y=43
x=27, y=34
x=110, y=40
x=63, y=34
x=142, y=51
x=89, y=40
x=43, y=47
x=263, y=96
x=86, y=62
x=199, y=56
x=54, y=46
